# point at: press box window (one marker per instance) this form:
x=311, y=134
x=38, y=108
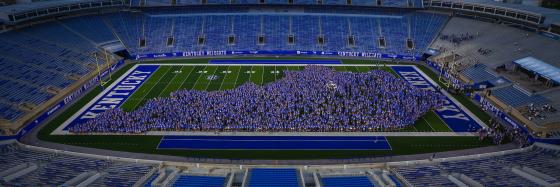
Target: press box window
x=261, y=1
x=351, y=41
x=142, y=42
x=170, y=41
x=201, y=40
x=204, y=2
x=410, y=43
x=378, y=2
x=290, y=2
x=231, y=40
x=319, y=2
x=260, y=40
x=348, y=2
x=291, y=39
x=321, y=40
x=382, y=43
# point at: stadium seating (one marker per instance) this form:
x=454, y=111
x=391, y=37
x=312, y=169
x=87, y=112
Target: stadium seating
x=55, y=170
x=478, y=73
x=199, y=181
x=31, y=64
x=215, y=29
x=516, y=97
x=346, y=181
x=35, y=59
x=91, y=26
x=280, y=177
x=490, y=171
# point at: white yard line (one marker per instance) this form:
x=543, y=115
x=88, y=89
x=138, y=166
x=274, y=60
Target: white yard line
x=429, y=124
x=237, y=77
x=224, y=79
x=199, y=76
x=156, y=83
x=187, y=77
x=171, y=81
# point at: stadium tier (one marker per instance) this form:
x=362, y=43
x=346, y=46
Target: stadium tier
x=490, y=171
x=37, y=64
x=516, y=97
x=199, y=181
x=348, y=181
x=478, y=73
x=383, y=3
x=254, y=31
x=29, y=166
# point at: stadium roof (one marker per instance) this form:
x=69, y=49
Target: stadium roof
x=23, y=7
x=539, y=67
x=552, y=15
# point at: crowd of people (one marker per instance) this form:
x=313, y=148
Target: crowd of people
x=457, y=39
x=316, y=99
x=536, y=112
x=484, y=51
x=503, y=133
x=498, y=132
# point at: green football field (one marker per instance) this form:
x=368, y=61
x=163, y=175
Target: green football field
x=170, y=78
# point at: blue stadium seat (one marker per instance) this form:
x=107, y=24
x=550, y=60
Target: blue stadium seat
x=516, y=97
x=199, y=181
x=273, y=177
x=55, y=170
x=346, y=181
x=492, y=171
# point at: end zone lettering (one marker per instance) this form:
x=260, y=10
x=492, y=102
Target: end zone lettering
x=116, y=94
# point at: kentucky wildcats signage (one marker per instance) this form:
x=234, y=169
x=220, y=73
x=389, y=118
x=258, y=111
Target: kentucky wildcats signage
x=457, y=119
x=114, y=96
x=277, y=52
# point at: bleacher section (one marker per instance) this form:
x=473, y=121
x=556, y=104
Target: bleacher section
x=273, y=177
x=490, y=171
x=478, y=73
x=199, y=181
x=516, y=97
x=155, y=27
x=346, y=181
x=34, y=60
x=55, y=170
x=92, y=27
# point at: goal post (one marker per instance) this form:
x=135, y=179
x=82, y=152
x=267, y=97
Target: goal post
x=103, y=82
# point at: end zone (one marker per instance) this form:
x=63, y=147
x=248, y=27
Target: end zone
x=275, y=143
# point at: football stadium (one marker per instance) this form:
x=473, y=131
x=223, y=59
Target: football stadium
x=279, y=93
